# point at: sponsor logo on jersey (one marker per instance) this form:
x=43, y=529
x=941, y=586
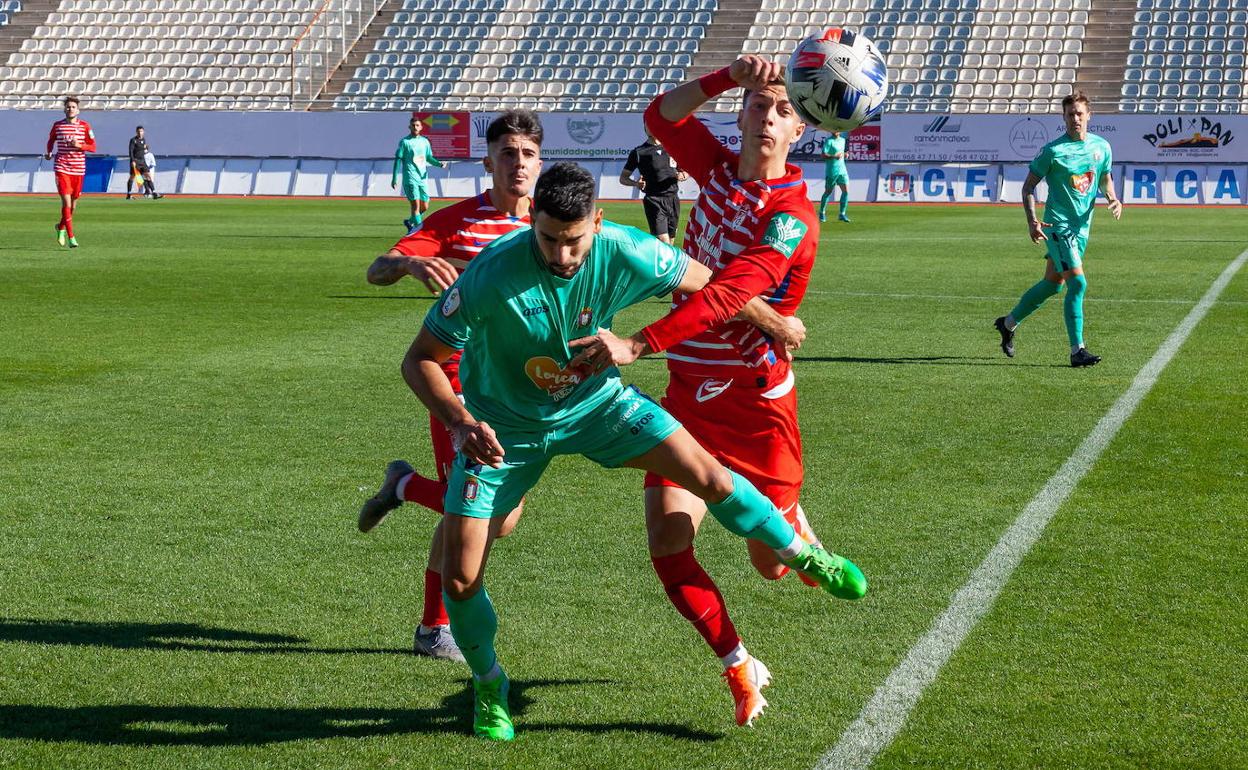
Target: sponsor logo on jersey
x=556, y=380
x=585, y=317
x=710, y=389
x=1082, y=182
x=533, y=310
x=451, y=303
x=784, y=234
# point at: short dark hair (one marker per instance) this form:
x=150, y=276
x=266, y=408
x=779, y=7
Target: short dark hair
x=138, y=128
x=1077, y=96
x=565, y=192
x=522, y=122
x=69, y=99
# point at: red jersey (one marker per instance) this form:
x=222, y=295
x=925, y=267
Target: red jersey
x=458, y=233
x=70, y=160
x=758, y=238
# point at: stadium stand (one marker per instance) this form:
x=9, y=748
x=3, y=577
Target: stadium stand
x=1186, y=57
x=547, y=54
x=7, y=9
x=1012, y=56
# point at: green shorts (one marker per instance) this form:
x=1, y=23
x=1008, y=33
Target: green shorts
x=832, y=180
x=415, y=191
x=626, y=426
x=1066, y=250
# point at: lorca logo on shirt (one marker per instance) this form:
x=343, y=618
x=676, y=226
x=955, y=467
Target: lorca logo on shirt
x=548, y=375
x=1082, y=182
x=784, y=234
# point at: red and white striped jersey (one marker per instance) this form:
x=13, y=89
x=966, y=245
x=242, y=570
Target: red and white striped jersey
x=759, y=236
x=70, y=160
x=458, y=233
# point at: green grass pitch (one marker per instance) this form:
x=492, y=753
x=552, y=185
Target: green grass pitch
x=194, y=404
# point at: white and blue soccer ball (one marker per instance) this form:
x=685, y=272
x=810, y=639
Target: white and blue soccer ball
x=837, y=79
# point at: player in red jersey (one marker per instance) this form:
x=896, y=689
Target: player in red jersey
x=436, y=253
x=72, y=139
x=731, y=386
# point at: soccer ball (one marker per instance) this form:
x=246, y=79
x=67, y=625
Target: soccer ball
x=837, y=79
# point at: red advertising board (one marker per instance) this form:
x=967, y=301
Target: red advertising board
x=449, y=133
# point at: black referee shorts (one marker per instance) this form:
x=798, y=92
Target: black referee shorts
x=662, y=213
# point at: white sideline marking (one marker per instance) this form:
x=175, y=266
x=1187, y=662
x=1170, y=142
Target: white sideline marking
x=885, y=714
x=891, y=295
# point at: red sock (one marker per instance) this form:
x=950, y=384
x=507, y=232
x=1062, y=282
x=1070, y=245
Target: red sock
x=435, y=610
x=66, y=218
x=695, y=596
x=425, y=491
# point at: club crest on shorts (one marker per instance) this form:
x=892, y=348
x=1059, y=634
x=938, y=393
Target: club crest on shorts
x=471, y=488
x=451, y=303
x=585, y=317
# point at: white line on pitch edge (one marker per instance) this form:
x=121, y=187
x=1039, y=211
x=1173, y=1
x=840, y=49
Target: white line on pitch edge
x=886, y=713
x=973, y=297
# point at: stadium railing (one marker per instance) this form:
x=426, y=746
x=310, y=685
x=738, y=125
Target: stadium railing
x=322, y=46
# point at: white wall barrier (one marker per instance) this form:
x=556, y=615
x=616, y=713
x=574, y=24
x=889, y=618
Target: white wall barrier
x=1166, y=183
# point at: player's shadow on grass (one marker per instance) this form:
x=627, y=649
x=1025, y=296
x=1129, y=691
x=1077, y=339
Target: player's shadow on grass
x=923, y=360
x=138, y=725
x=190, y=637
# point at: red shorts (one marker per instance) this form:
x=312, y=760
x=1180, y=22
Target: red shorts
x=69, y=184
x=443, y=448
x=749, y=433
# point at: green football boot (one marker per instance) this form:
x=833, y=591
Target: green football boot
x=60, y=235
x=73, y=243
x=835, y=574
x=491, y=717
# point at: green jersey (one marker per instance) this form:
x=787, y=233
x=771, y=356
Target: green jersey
x=513, y=318
x=413, y=158
x=834, y=166
x=1073, y=170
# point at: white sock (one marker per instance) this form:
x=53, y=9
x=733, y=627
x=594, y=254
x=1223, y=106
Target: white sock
x=422, y=628
x=736, y=657
x=1010, y=323
x=793, y=548
x=489, y=676
x=401, y=487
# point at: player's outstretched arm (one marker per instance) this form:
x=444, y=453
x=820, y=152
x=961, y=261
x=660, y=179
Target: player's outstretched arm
x=436, y=273
x=423, y=373
x=750, y=72
x=604, y=349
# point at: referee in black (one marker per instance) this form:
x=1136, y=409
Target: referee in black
x=138, y=165
x=660, y=181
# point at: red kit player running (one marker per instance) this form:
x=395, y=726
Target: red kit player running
x=436, y=253
x=732, y=386
x=72, y=139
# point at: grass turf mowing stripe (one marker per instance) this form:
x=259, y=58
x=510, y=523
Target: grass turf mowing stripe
x=886, y=713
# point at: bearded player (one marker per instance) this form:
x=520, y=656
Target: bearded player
x=436, y=253
x=731, y=386
x=72, y=139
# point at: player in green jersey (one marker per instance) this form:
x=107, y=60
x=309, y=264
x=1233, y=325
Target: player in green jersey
x=836, y=174
x=513, y=312
x=1075, y=166
x=411, y=161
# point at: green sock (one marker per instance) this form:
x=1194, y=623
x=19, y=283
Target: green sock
x=823, y=202
x=844, y=204
x=474, y=624
x=747, y=513
x=1034, y=298
x=1076, y=285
